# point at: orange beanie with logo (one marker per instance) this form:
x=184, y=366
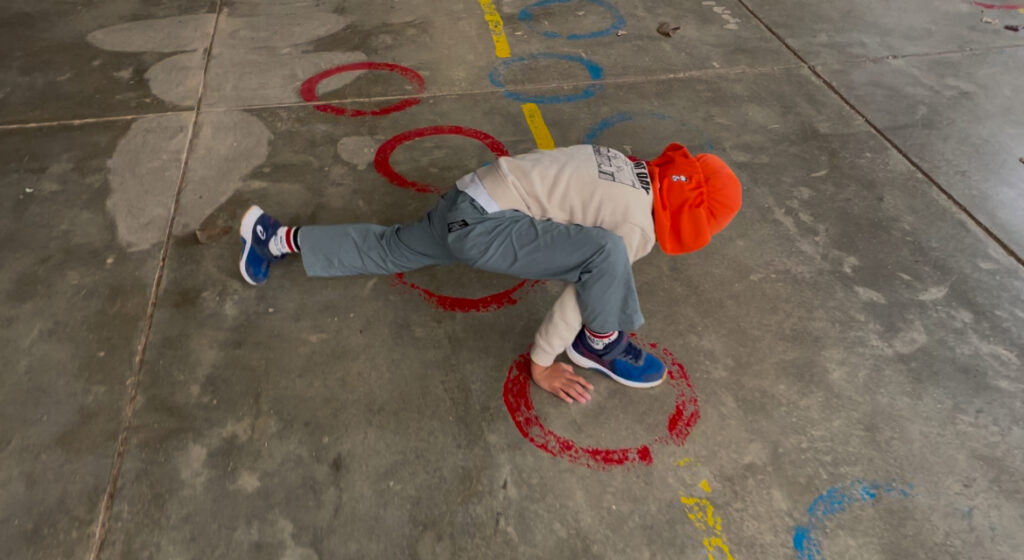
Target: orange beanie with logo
x=694, y=198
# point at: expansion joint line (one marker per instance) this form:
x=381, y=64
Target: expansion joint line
x=89, y=120
x=106, y=506
x=892, y=143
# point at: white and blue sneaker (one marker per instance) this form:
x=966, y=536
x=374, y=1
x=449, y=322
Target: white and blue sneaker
x=621, y=359
x=257, y=229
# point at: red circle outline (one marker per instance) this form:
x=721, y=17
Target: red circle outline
x=988, y=6
x=483, y=304
x=308, y=89
x=382, y=161
x=520, y=407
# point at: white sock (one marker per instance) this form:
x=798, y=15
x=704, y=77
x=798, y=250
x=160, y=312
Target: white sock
x=285, y=241
x=600, y=340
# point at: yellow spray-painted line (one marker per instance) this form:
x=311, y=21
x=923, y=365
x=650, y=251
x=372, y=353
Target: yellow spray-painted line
x=497, y=28
x=702, y=513
x=541, y=134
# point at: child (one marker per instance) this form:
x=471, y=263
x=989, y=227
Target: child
x=581, y=214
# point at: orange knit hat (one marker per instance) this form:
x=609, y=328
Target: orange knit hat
x=694, y=198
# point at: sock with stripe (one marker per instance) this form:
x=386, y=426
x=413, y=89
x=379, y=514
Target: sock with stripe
x=599, y=340
x=285, y=241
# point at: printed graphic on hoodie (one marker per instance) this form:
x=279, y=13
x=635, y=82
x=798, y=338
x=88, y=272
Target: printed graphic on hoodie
x=613, y=166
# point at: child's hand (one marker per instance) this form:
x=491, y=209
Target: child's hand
x=560, y=380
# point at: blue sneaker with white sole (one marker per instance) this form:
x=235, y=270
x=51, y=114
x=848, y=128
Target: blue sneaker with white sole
x=621, y=359
x=257, y=229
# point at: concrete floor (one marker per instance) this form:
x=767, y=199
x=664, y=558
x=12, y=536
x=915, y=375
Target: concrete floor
x=847, y=356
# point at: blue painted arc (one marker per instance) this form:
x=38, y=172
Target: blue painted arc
x=615, y=120
x=594, y=70
x=618, y=21
x=837, y=500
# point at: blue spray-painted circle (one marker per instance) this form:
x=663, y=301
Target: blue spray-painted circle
x=618, y=22
x=593, y=69
x=618, y=118
x=837, y=500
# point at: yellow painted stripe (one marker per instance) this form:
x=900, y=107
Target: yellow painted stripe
x=497, y=28
x=702, y=513
x=541, y=134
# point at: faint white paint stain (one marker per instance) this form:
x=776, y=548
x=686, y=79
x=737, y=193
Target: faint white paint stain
x=805, y=217
x=143, y=174
x=173, y=34
x=357, y=150
x=813, y=239
x=255, y=61
x=231, y=144
x=240, y=429
x=725, y=14
x=932, y=294
x=279, y=30
x=317, y=338
x=176, y=79
x=53, y=180
x=192, y=465
x=910, y=339
x=369, y=285
x=867, y=294
x=850, y=263
x=293, y=551
x=996, y=355
x=962, y=315
x=780, y=215
x=247, y=482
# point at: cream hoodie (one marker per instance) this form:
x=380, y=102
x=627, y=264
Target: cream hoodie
x=586, y=185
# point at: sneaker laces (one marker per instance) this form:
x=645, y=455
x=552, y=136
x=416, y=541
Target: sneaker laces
x=633, y=353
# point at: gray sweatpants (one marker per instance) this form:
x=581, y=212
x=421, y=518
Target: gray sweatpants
x=507, y=242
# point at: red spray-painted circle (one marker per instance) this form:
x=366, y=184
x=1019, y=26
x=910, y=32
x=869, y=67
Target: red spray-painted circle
x=679, y=424
x=308, y=89
x=988, y=6
x=382, y=161
x=484, y=304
